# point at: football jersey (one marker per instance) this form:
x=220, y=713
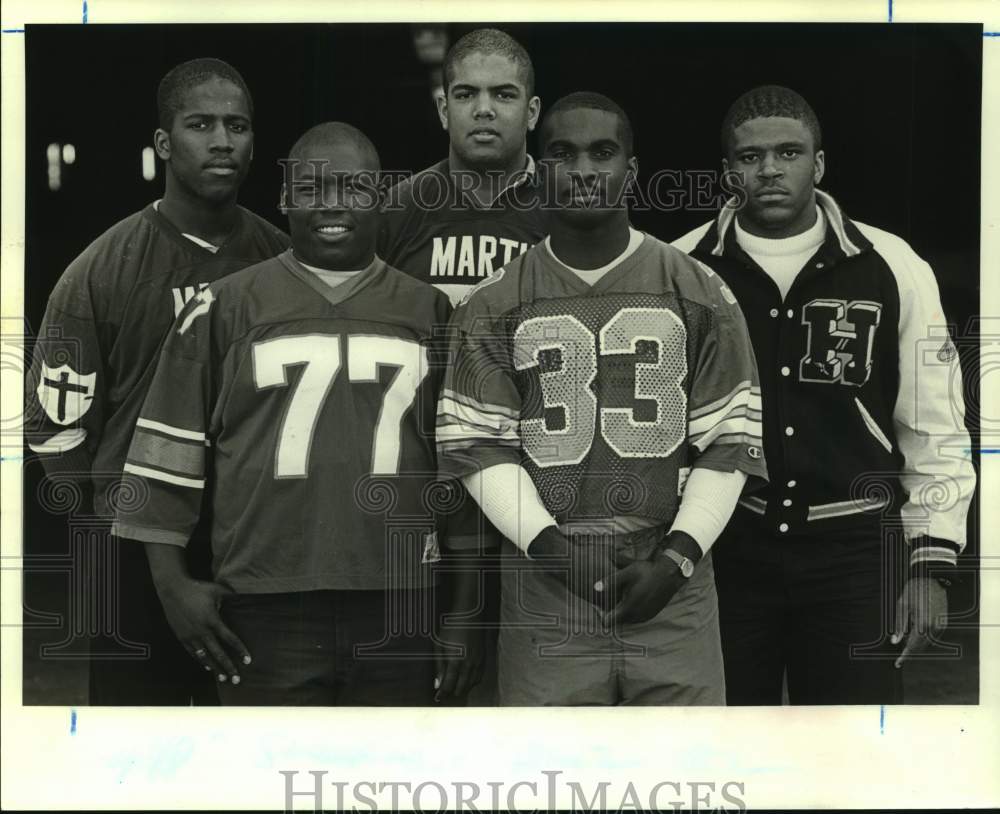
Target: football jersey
x=607, y=394
x=435, y=235
x=103, y=326
x=307, y=413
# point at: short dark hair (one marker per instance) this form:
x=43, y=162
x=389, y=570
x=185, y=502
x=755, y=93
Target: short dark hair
x=332, y=133
x=181, y=78
x=768, y=101
x=592, y=101
x=490, y=41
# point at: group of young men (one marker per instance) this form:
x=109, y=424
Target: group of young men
x=656, y=447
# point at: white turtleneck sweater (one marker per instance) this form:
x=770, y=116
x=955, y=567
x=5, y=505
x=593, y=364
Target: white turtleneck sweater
x=783, y=258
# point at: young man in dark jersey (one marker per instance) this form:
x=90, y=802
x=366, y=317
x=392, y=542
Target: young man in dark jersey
x=461, y=219
x=842, y=316
x=601, y=405
x=299, y=397
x=97, y=346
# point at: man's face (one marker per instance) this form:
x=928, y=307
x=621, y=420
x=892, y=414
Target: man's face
x=583, y=150
x=210, y=142
x=332, y=207
x=487, y=111
x=780, y=167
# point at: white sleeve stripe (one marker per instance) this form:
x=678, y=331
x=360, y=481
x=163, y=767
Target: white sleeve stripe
x=177, y=432
x=166, y=477
x=479, y=406
x=738, y=426
x=461, y=413
x=463, y=430
x=737, y=417
x=61, y=442
x=743, y=393
x=933, y=553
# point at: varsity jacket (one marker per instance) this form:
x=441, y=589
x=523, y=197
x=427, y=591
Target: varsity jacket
x=861, y=389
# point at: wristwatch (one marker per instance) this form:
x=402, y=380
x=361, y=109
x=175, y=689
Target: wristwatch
x=683, y=563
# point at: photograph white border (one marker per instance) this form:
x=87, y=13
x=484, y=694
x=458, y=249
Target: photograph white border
x=207, y=758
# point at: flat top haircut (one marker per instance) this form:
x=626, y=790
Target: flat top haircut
x=490, y=41
x=323, y=135
x=591, y=101
x=181, y=78
x=769, y=101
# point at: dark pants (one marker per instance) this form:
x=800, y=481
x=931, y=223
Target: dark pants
x=817, y=608
x=167, y=675
x=333, y=648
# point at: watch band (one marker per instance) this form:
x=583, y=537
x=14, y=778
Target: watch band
x=683, y=563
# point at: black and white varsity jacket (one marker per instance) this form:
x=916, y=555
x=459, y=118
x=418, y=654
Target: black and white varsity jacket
x=861, y=388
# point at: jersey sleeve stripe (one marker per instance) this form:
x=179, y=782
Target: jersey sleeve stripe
x=450, y=444
x=742, y=394
x=183, y=457
x=167, y=429
x=738, y=426
x=60, y=442
x=166, y=477
x=463, y=430
x=499, y=410
x=933, y=554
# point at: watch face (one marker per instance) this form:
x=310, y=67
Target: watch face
x=687, y=568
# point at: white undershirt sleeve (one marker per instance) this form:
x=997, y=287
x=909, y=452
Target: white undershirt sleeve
x=707, y=504
x=510, y=501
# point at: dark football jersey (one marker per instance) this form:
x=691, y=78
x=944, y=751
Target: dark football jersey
x=102, y=330
x=433, y=233
x=606, y=394
x=307, y=412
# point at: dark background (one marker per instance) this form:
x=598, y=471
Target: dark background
x=899, y=106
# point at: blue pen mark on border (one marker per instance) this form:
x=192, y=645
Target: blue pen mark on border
x=890, y=11
x=84, y=12
x=881, y=720
x=13, y=31
x=991, y=33
x=72, y=722
x=987, y=451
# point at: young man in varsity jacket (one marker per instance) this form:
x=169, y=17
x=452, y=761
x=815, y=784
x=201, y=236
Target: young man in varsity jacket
x=858, y=417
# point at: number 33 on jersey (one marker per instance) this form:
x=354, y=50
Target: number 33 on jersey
x=605, y=393
x=283, y=397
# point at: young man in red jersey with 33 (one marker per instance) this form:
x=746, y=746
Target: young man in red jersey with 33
x=601, y=404
x=98, y=343
x=840, y=314
x=298, y=399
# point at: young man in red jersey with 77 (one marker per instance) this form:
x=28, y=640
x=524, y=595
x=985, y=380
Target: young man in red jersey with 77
x=298, y=399
x=601, y=405
x=840, y=314
x=97, y=347
x=461, y=219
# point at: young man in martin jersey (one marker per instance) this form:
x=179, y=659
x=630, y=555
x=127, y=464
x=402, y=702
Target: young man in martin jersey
x=99, y=339
x=839, y=313
x=458, y=221
x=601, y=405
x=299, y=397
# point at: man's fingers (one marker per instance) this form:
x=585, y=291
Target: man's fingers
x=614, y=584
x=900, y=622
x=449, y=675
x=232, y=642
x=200, y=655
x=915, y=643
x=224, y=664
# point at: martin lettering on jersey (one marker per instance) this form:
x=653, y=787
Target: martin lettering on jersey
x=184, y=294
x=841, y=335
x=473, y=255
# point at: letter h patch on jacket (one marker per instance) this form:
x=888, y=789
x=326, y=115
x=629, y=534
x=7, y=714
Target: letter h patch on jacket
x=840, y=341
